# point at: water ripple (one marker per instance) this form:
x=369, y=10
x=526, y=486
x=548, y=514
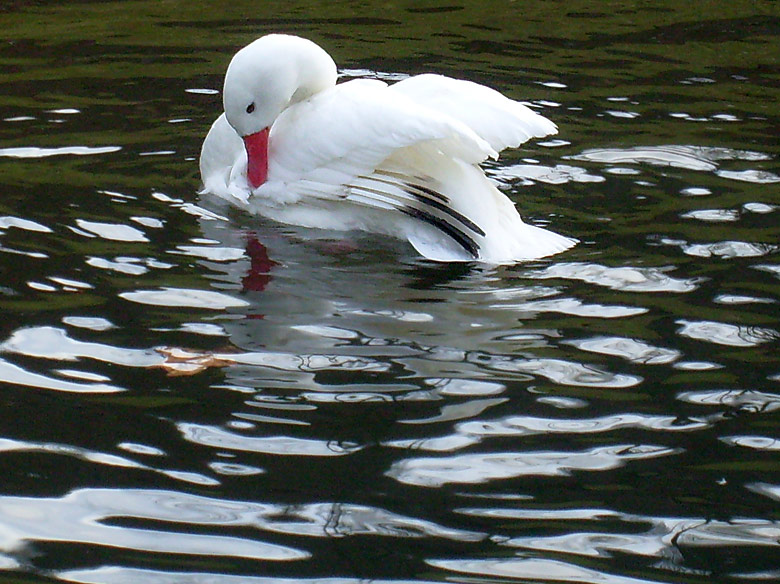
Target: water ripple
x=16, y=375
x=527, y=425
x=560, y=371
x=84, y=516
x=737, y=532
x=164, y=521
x=215, y=253
x=574, y=307
x=726, y=334
x=36, y=152
x=8, y=222
x=112, y=231
x=665, y=538
x=772, y=269
x=101, y=458
x=625, y=278
x=630, y=349
x=124, y=575
x=54, y=343
x=215, y=437
x=680, y=156
x=184, y=297
x=47, y=342
x=532, y=569
x=472, y=432
x=122, y=265
x=740, y=399
x=712, y=215
x=752, y=176
x=481, y=468
x=753, y=442
x=728, y=249
x=766, y=489
x=555, y=175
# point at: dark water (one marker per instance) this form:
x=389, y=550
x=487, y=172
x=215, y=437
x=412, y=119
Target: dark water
x=192, y=395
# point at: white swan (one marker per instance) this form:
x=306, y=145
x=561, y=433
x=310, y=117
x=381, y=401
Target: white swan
x=401, y=160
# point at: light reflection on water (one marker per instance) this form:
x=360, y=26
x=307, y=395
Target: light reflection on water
x=197, y=396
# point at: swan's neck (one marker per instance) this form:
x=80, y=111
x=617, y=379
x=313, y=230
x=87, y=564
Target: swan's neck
x=316, y=72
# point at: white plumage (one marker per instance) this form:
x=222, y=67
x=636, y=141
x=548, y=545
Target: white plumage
x=402, y=160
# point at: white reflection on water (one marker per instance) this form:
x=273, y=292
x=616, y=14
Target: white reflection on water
x=47, y=342
x=122, y=575
x=766, y=489
x=701, y=158
x=16, y=375
x=162, y=521
x=771, y=268
x=182, y=297
x=101, y=458
x=483, y=467
x=468, y=433
x=572, y=306
x=458, y=411
x=7, y=222
x=722, y=333
x=54, y=343
x=741, y=299
x=528, y=425
x=712, y=215
x=533, y=569
x=130, y=266
x=753, y=442
x=630, y=349
x=662, y=537
x=728, y=249
x=465, y=387
x=560, y=371
x=36, y=152
x=112, y=231
x=558, y=174
x=216, y=437
x=624, y=278
x=737, y=532
x=761, y=208
x=751, y=176
x=84, y=516
x=740, y=399
x=214, y=253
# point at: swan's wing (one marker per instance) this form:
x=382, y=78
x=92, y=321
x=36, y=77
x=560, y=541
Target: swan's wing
x=344, y=145
x=502, y=122
x=326, y=142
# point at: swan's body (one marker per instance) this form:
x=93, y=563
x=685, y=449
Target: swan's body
x=400, y=160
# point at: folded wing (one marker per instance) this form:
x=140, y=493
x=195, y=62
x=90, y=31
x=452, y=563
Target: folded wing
x=350, y=130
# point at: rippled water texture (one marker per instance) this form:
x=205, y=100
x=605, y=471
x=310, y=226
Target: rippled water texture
x=194, y=396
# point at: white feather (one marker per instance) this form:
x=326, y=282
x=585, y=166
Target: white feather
x=502, y=122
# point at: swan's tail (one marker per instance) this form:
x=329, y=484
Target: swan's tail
x=545, y=242
x=505, y=241
x=479, y=223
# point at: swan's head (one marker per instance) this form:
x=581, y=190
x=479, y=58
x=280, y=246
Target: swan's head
x=265, y=78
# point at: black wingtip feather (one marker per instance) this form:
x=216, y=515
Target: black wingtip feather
x=466, y=242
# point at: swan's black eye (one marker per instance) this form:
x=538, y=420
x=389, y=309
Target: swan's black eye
x=250, y=108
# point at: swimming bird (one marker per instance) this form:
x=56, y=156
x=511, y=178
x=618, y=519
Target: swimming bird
x=400, y=159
